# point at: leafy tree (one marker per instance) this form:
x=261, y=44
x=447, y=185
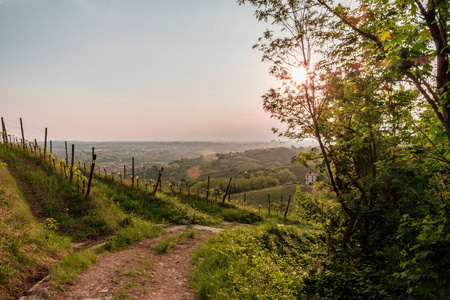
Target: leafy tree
x=285, y=176
x=409, y=38
x=378, y=105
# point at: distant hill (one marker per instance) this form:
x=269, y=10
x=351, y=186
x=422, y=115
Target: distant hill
x=220, y=165
x=149, y=153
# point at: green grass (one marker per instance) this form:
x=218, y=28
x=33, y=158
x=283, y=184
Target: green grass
x=157, y=207
x=190, y=234
x=67, y=271
x=136, y=231
x=264, y=262
x=76, y=216
x=26, y=246
x=166, y=245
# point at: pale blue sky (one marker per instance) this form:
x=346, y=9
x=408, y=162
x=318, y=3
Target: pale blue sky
x=133, y=70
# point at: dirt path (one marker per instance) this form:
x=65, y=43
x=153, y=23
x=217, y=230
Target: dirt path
x=137, y=273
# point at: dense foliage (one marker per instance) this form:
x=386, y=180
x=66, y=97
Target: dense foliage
x=377, y=103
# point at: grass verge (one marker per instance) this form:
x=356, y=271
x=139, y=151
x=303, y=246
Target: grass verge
x=264, y=262
x=27, y=248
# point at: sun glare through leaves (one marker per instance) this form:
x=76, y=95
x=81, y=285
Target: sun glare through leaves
x=299, y=75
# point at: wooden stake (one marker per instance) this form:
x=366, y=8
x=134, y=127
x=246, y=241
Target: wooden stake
x=5, y=134
x=207, y=189
x=71, y=162
x=158, y=181
x=287, y=208
x=268, y=196
x=132, y=172
x=94, y=157
x=227, y=190
x=67, y=155
x=23, y=137
x=45, y=144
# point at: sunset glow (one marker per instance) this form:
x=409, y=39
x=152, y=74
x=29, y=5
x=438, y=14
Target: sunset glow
x=299, y=75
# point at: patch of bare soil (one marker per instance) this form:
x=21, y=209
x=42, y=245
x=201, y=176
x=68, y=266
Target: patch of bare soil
x=140, y=273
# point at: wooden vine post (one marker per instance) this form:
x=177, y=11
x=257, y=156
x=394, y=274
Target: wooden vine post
x=158, y=182
x=23, y=136
x=5, y=135
x=45, y=144
x=227, y=191
x=287, y=208
x=132, y=172
x=67, y=154
x=71, y=163
x=268, y=196
x=94, y=157
x=207, y=189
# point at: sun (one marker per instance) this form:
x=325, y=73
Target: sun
x=299, y=75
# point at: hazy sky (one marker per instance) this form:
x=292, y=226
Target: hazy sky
x=133, y=70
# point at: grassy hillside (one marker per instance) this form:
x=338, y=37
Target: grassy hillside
x=229, y=165
x=28, y=248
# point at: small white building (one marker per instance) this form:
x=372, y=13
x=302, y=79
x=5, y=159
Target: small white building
x=310, y=178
